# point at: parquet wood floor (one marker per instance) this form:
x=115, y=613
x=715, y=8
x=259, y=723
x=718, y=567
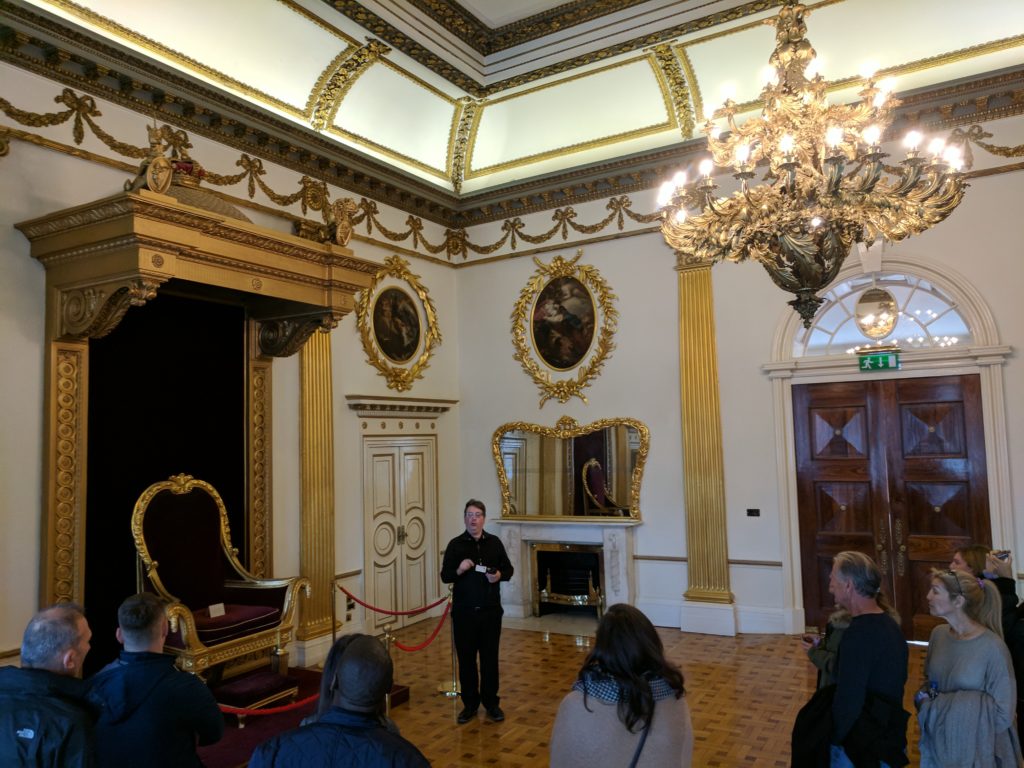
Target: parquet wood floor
x=743, y=692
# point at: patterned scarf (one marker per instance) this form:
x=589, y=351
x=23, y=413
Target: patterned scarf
x=606, y=689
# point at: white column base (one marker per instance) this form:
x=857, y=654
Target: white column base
x=309, y=653
x=708, y=618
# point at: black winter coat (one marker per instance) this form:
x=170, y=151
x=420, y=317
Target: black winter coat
x=340, y=739
x=44, y=720
x=151, y=713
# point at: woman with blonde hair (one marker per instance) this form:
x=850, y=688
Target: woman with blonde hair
x=627, y=706
x=966, y=707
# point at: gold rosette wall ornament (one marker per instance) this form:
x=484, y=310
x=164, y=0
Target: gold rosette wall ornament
x=397, y=324
x=563, y=323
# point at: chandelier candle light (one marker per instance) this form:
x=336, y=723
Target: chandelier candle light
x=826, y=185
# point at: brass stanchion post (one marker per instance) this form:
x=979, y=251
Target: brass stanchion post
x=450, y=688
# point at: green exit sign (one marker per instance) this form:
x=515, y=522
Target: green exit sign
x=880, y=361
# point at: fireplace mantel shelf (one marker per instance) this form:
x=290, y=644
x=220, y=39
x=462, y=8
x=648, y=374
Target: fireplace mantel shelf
x=612, y=522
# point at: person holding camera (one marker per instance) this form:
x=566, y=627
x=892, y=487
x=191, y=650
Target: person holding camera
x=995, y=566
x=475, y=562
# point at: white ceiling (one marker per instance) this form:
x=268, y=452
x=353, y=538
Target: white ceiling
x=542, y=116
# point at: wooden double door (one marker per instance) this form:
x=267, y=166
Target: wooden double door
x=895, y=469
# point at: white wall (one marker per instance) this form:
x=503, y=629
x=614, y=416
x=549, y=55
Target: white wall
x=474, y=365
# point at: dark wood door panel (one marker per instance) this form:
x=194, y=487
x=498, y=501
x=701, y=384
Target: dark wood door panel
x=932, y=430
x=895, y=469
x=838, y=433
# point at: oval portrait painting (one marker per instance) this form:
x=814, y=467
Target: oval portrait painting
x=563, y=323
x=396, y=325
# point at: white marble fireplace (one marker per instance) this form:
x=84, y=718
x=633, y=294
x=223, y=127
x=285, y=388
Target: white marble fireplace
x=614, y=537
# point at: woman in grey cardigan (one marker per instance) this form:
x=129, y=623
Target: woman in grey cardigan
x=966, y=706
x=626, y=707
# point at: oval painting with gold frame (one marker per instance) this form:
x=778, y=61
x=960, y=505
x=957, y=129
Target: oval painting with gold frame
x=563, y=323
x=562, y=327
x=396, y=325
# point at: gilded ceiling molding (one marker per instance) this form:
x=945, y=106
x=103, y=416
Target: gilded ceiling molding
x=377, y=27
x=466, y=121
x=669, y=70
x=488, y=40
x=691, y=77
x=246, y=128
x=328, y=101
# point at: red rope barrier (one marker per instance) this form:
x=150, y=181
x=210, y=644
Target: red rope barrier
x=429, y=640
x=413, y=612
x=269, y=710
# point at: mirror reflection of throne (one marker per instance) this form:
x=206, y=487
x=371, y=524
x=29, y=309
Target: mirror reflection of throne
x=598, y=496
x=223, y=620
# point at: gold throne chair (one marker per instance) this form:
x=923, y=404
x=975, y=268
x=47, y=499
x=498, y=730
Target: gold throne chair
x=599, y=500
x=219, y=613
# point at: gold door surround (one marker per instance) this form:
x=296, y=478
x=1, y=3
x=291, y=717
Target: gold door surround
x=103, y=258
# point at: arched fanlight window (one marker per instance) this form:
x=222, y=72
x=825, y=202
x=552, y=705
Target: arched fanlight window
x=925, y=317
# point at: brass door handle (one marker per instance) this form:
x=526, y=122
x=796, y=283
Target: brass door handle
x=402, y=535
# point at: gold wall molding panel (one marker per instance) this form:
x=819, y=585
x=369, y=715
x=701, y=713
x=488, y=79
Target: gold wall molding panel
x=64, y=559
x=399, y=376
x=606, y=318
x=260, y=403
x=703, y=466
x=316, y=539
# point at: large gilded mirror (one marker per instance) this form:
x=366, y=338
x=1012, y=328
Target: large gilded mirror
x=571, y=472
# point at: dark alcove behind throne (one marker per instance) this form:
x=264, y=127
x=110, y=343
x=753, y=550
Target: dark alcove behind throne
x=167, y=395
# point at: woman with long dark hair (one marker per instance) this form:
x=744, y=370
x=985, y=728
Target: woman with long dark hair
x=626, y=707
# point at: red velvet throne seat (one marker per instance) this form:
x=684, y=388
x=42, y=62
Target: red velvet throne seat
x=183, y=542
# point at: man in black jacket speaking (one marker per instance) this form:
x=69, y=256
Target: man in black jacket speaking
x=475, y=562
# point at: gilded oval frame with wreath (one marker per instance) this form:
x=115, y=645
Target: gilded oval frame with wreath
x=398, y=377
x=543, y=375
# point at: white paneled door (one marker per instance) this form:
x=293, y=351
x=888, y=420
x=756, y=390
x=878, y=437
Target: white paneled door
x=400, y=513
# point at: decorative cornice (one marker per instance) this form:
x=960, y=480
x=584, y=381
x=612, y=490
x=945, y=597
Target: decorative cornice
x=375, y=406
x=141, y=86
x=534, y=27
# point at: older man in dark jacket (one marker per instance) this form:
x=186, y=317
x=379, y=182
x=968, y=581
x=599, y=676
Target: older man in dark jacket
x=44, y=717
x=151, y=713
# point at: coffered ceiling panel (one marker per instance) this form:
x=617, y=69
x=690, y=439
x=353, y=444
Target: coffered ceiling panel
x=570, y=115
x=400, y=116
x=267, y=51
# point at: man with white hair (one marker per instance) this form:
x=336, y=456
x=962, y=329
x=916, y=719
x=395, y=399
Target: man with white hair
x=44, y=717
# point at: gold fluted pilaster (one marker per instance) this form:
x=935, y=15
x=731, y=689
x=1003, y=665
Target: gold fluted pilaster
x=703, y=467
x=316, y=541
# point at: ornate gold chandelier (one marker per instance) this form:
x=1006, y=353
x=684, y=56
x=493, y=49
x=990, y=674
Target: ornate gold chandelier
x=826, y=185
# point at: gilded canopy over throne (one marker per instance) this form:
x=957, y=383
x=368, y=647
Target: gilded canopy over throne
x=218, y=611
